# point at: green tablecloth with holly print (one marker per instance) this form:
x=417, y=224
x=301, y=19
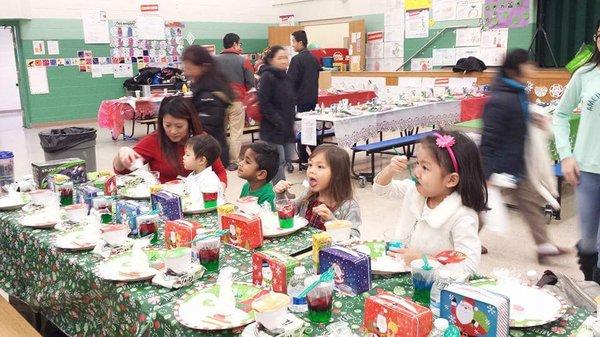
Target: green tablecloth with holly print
x=350, y=309
x=62, y=285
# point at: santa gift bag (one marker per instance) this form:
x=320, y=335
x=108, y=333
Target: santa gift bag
x=476, y=312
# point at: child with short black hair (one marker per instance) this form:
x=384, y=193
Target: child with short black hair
x=200, y=153
x=258, y=167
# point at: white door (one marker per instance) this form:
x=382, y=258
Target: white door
x=9, y=83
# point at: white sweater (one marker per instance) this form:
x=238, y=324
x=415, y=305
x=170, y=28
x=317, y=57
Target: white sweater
x=449, y=226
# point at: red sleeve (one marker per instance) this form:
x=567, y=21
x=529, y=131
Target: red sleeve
x=146, y=148
x=219, y=170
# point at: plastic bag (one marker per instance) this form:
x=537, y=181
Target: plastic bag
x=496, y=219
x=56, y=140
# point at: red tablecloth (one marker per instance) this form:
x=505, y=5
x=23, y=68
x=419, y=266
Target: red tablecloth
x=113, y=113
x=472, y=108
x=354, y=97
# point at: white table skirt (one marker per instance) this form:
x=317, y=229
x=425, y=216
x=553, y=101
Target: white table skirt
x=355, y=129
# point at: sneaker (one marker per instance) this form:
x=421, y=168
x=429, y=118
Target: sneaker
x=232, y=167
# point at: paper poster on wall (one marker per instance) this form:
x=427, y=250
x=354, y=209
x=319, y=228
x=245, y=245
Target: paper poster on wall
x=150, y=27
x=492, y=56
x=394, y=33
x=394, y=17
x=417, y=24
x=421, y=64
x=506, y=14
x=53, y=48
x=416, y=4
x=466, y=37
x=392, y=63
x=107, y=69
x=469, y=9
x=38, y=80
x=411, y=82
x=443, y=10
x=123, y=70
x=375, y=64
x=494, y=38
x=95, y=26
x=374, y=50
x=38, y=48
x=465, y=52
x=393, y=4
x=96, y=70
x=393, y=49
x=444, y=57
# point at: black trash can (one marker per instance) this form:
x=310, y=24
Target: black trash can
x=71, y=142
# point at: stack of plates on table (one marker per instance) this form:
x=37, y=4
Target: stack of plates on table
x=81, y=238
x=381, y=263
x=271, y=229
x=529, y=305
x=200, y=308
x=123, y=268
x=14, y=201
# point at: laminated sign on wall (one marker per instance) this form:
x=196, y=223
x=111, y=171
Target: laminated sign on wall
x=95, y=27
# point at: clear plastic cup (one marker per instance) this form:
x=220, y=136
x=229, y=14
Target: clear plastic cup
x=208, y=252
x=423, y=280
x=285, y=211
x=320, y=301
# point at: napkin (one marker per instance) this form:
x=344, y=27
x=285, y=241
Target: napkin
x=176, y=282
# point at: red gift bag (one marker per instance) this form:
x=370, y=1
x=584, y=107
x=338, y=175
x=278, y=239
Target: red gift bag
x=472, y=108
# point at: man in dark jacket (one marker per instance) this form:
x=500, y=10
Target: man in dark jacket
x=240, y=74
x=303, y=73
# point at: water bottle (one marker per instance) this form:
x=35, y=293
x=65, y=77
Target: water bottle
x=295, y=287
x=439, y=327
x=442, y=280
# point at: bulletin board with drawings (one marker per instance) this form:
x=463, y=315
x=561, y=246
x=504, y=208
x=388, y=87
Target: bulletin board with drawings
x=489, y=29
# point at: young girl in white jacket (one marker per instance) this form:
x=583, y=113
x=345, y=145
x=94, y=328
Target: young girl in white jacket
x=440, y=203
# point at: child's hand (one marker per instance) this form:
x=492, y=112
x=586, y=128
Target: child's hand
x=323, y=212
x=282, y=186
x=398, y=164
x=407, y=254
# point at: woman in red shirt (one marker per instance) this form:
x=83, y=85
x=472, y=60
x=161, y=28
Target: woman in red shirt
x=163, y=150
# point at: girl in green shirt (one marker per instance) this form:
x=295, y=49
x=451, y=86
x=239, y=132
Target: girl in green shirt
x=581, y=167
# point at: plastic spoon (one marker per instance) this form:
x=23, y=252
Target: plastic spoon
x=426, y=265
x=325, y=277
x=215, y=234
x=410, y=172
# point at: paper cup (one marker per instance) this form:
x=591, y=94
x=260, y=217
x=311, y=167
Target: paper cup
x=179, y=259
x=270, y=310
x=115, y=235
x=339, y=230
x=77, y=212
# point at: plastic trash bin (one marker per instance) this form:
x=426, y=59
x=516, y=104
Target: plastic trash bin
x=71, y=142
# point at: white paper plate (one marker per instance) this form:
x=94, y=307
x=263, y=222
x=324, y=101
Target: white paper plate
x=68, y=240
x=14, y=203
x=273, y=230
x=116, y=269
x=39, y=220
x=198, y=308
x=384, y=264
x=529, y=306
x=126, y=194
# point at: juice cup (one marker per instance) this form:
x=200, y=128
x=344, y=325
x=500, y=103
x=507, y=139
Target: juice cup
x=66, y=192
x=423, y=280
x=208, y=252
x=210, y=194
x=285, y=212
x=320, y=301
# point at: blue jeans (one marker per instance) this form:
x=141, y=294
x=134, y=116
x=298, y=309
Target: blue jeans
x=588, y=206
x=287, y=153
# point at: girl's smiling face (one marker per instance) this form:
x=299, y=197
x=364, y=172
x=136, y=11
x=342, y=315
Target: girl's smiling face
x=432, y=180
x=318, y=173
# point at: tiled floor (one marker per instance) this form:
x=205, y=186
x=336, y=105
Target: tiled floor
x=515, y=251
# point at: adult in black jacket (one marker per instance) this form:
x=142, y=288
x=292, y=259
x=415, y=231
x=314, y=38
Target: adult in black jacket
x=212, y=95
x=505, y=122
x=276, y=100
x=304, y=75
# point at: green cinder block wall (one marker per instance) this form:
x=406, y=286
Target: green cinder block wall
x=76, y=95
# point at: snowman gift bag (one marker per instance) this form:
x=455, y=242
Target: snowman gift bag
x=476, y=312
x=389, y=315
x=352, y=269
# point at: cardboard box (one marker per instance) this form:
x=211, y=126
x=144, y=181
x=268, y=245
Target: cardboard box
x=352, y=269
x=74, y=168
x=389, y=315
x=168, y=205
x=244, y=231
x=320, y=241
x=280, y=270
x=179, y=233
x=127, y=213
x=475, y=311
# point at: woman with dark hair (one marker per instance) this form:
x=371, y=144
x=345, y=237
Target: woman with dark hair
x=163, y=150
x=212, y=95
x=276, y=100
x=505, y=120
x=581, y=166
